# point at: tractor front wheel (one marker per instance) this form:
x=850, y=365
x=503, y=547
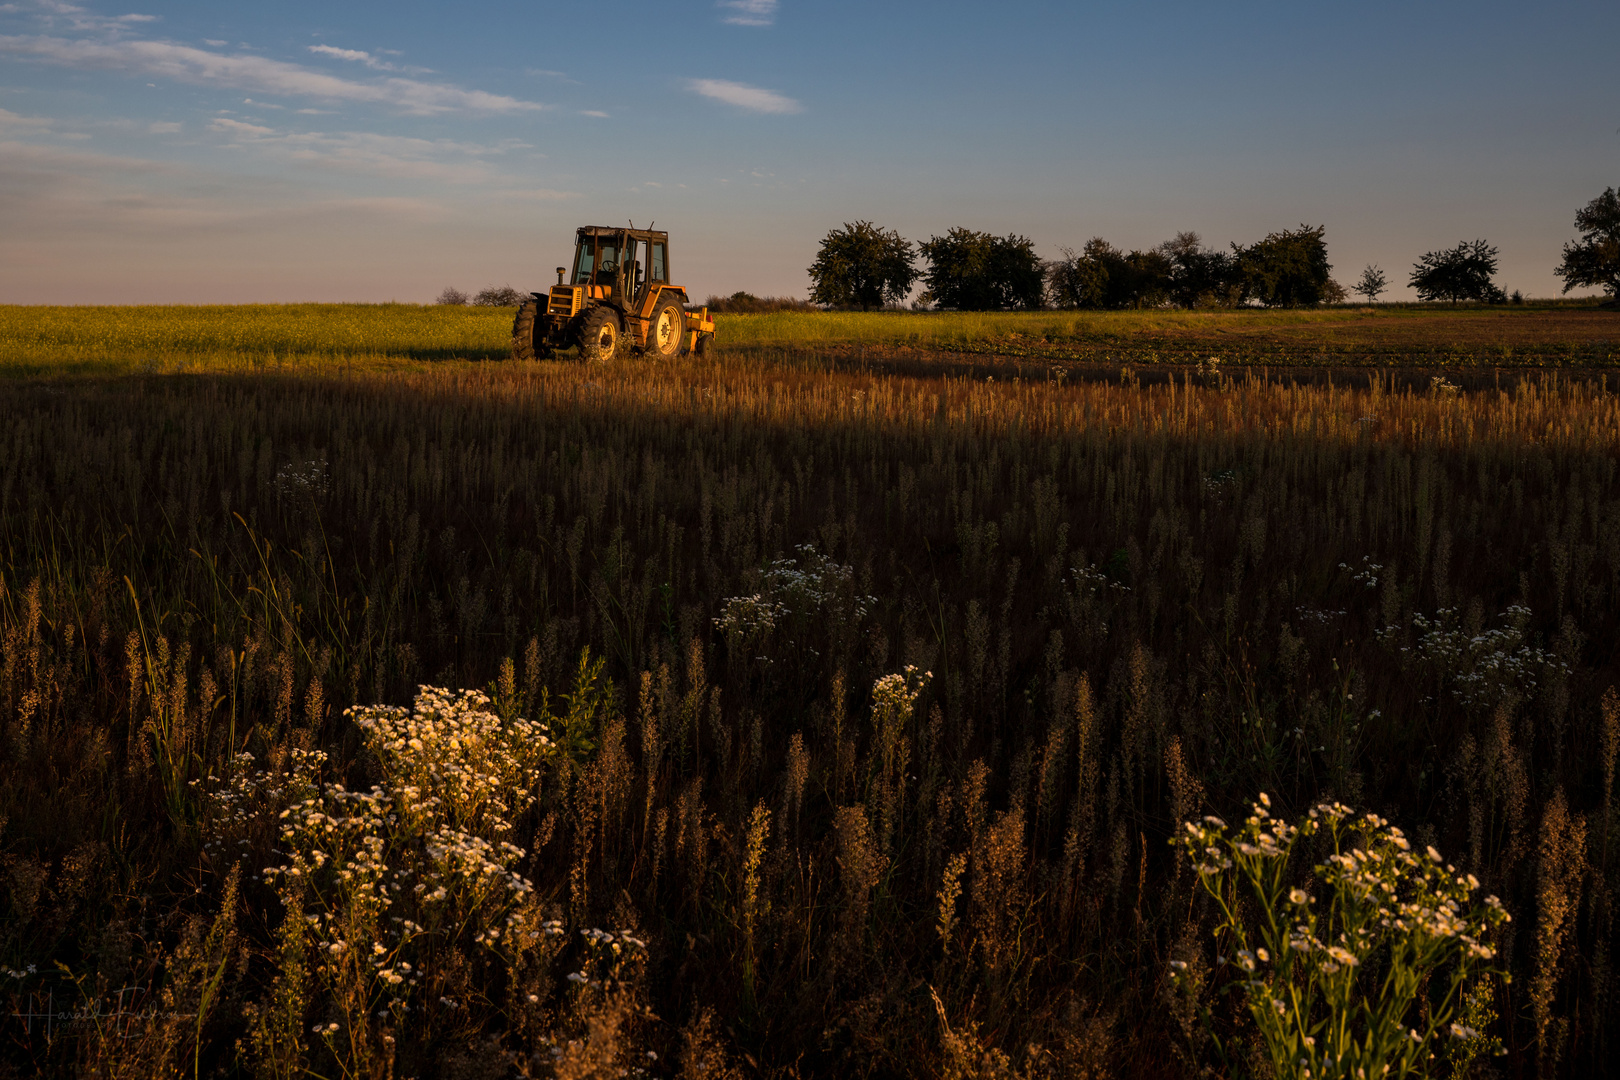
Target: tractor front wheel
x=666, y=331
x=599, y=335
x=524, y=344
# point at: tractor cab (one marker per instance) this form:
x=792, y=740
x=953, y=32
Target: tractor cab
x=625, y=262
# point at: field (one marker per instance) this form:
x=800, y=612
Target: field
x=843, y=693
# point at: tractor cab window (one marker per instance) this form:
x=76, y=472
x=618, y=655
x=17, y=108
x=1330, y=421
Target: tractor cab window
x=607, y=262
x=598, y=261
x=660, y=267
x=586, y=262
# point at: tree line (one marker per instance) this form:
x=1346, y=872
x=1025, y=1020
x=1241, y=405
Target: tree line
x=866, y=266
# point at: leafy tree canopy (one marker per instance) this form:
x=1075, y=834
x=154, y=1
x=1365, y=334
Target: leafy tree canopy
x=1460, y=273
x=1199, y=277
x=974, y=271
x=1288, y=269
x=1595, y=259
x=1103, y=276
x=862, y=266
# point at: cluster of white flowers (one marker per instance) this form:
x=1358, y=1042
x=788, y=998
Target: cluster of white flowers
x=609, y=957
x=896, y=695
x=449, y=759
x=808, y=584
x=1410, y=913
x=1095, y=582
x=302, y=479
x=747, y=616
x=235, y=806
x=1222, y=483
x=1366, y=572
x=1482, y=667
x=424, y=852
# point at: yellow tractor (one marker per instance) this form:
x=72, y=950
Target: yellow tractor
x=618, y=298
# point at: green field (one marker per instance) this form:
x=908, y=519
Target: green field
x=53, y=341
x=857, y=699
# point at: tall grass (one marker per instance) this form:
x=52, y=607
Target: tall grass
x=719, y=586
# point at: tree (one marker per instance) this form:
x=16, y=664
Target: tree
x=451, y=295
x=1371, y=284
x=974, y=271
x=1103, y=276
x=1080, y=280
x=1460, y=273
x=1199, y=276
x=1595, y=259
x=862, y=266
x=498, y=296
x=1288, y=269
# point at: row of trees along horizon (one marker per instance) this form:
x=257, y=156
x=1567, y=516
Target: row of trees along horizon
x=865, y=266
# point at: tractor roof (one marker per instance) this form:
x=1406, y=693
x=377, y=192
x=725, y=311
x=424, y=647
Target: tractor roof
x=616, y=230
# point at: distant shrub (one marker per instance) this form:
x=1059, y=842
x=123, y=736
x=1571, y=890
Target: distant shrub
x=746, y=303
x=451, y=295
x=497, y=296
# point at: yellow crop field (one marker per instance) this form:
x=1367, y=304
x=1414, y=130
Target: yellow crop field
x=372, y=705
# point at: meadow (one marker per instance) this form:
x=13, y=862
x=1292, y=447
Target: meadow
x=797, y=714
x=52, y=342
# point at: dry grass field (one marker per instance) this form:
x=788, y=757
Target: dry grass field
x=832, y=708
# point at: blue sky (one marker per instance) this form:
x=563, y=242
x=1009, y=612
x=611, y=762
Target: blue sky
x=191, y=152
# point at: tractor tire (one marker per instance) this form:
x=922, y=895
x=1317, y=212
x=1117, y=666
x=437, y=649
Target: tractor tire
x=524, y=325
x=705, y=346
x=599, y=335
x=666, y=331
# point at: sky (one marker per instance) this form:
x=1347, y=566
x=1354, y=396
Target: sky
x=180, y=152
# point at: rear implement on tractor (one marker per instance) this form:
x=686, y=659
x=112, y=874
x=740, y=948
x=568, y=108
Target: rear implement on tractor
x=619, y=297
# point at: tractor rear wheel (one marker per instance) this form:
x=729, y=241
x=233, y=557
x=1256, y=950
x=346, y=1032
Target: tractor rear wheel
x=524, y=345
x=666, y=331
x=599, y=335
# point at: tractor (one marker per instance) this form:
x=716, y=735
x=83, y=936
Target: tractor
x=618, y=298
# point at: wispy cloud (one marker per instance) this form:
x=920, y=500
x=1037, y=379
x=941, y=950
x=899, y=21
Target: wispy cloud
x=360, y=56
x=14, y=124
x=743, y=96
x=748, y=12
x=356, y=55
x=57, y=13
x=397, y=157
x=184, y=63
